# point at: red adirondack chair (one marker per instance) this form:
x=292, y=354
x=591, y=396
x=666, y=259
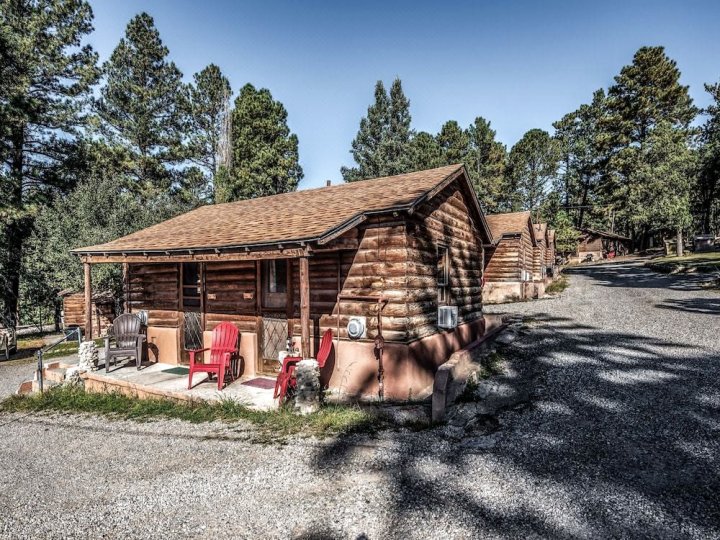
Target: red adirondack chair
x=286, y=377
x=224, y=344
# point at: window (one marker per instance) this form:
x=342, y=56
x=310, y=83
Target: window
x=191, y=286
x=443, y=272
x=443, y=266
x=277, y=276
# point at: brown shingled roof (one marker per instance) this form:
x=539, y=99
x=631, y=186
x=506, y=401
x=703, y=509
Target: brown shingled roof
x=308, y=215
x=510, y=223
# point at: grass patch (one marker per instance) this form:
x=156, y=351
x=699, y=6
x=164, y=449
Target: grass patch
x=697, y=262
x=272, y=426
x=492, y=365
x=558, y=286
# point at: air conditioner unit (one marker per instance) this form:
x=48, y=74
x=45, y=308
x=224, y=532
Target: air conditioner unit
x=447, y=317
x=357, y=327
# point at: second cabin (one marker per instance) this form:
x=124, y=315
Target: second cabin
x=514, y=261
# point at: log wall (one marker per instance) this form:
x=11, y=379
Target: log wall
x=74, y=313
x=443, y=223
x=512, y=257
x=155, y=288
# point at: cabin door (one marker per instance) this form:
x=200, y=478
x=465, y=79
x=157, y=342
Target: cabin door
x=192, y=304
x=274, y=303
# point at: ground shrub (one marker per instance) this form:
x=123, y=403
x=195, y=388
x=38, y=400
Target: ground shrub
x=557, y=286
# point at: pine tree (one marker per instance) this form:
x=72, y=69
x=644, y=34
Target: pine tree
x=646, y=93
x=47, y=74
x=397, y=141
x=454, y=142
x=707, y=199
x=142, y=107
x=382, y=145
x=533, y=164
x=659, y=194
x=580, y=135
x=485, y=161
x=206, y=108
x=367, y=145
x=265, y=153
x=424, y=152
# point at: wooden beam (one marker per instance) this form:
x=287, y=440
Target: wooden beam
x=196, y=257
x=305, y=306
x=88, y=302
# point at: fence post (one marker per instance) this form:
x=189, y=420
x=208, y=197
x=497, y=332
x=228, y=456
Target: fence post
x=40, y=370
x=79, y=337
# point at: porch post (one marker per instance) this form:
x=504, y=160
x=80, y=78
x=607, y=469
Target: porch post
x=126, y=287
x=88, y=302
x=305, y=306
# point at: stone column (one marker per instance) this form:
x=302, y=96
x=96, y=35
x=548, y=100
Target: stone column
x=307, y=396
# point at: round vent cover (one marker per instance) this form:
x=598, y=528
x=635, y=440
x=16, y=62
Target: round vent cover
x=356, y=327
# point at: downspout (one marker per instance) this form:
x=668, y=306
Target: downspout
x=379, y=339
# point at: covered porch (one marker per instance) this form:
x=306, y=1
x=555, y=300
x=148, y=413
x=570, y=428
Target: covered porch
x=183, y=296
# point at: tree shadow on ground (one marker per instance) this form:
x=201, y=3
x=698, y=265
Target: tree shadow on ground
x=707, y=306
x=620, y=439
x=635, y=275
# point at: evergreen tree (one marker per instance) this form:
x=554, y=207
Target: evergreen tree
x=707, y=200
x=367, y=146
x=265, y=154
x=424, y=152
x=47, y=74
x=397, y=140
x=646, y=93
x=566, y=235
x=660, y=194
x=580, y=135
x=533, y=164
x=485, y=162
x=142, y=108
x=207, y=105
x=454, y=143
x=382, y=145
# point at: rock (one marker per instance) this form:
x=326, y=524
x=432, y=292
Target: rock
x=506, y=338
x=88, y=356
x=307, y=397
x=72, y=376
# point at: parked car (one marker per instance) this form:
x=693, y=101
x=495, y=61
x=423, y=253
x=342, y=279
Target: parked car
x=8, y=341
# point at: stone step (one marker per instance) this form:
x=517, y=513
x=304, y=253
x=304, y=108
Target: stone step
x=47, y=385
x=55, y=374
x=26, y=387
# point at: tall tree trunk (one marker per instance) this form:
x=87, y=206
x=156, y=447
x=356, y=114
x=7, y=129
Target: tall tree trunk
x=679, y=250
x=14, y=231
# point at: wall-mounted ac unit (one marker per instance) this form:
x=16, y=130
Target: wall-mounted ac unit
x=447, y=317
x=357, y=327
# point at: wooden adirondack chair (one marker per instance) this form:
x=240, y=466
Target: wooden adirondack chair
x=224, y=344
x=128, y=337
x=286, y=377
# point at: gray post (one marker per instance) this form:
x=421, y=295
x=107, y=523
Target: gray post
x=40, y=370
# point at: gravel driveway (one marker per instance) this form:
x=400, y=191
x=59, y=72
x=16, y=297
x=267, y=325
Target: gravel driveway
x=620, y=439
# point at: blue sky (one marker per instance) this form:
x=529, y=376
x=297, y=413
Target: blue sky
x=521, y=65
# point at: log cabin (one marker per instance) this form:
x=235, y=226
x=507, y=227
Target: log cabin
x=401, y=255
x=598, y=245
x=103, y=308
x=511, y=260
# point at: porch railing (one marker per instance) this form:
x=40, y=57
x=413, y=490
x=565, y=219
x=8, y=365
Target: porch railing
x=48, y=348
